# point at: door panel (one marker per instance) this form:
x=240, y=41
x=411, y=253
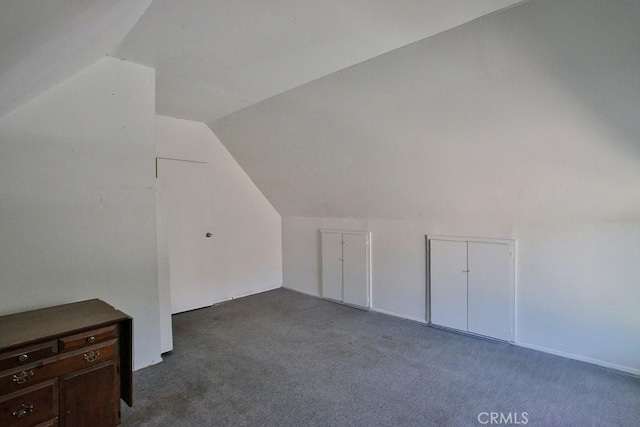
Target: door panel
x=90, y=397
x=489, y=308
x=448, y=265
x=332, y=266
x=355, y=290
x=188, y=202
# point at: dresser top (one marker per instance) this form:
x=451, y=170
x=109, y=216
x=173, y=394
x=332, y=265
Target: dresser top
x=23, y=328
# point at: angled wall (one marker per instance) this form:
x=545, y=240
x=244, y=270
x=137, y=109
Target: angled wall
x=77, y=199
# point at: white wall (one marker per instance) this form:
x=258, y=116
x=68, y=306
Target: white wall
x=77, y=199
x=247, y=230
x=577, y=292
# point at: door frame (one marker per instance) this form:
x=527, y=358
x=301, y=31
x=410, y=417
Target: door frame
x=512, y=275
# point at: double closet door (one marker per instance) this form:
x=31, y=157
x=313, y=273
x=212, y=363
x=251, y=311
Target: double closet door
x=472, y=286
x=345, y=267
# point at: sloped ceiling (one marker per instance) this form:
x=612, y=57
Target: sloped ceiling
x=530, y=114
x=43, y=42
x=214, y=57
x=527, y=114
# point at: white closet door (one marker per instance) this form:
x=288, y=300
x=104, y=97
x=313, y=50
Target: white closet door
x=355, y=290
x=448, y=283
x=332, y=266
x=489, y=311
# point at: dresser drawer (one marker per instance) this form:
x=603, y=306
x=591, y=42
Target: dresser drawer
x=19, y=379
x=88, y=338
x=31, y=406
x=27, y=355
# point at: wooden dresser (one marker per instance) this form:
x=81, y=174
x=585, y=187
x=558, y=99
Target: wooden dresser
x=67, y=365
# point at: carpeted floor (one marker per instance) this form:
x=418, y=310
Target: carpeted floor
x=285, y=359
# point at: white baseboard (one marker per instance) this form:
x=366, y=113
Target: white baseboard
x=598, y=362
x=374, y=309
x=148, y=363
x=394, y=314
x=302, y=292
x=246, y=294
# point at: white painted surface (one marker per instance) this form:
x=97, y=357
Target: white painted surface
x=581, y=358
x=164, y=284
x=448, y=284
x=215, y=57
x=332, y=260
x=43, y=43
x=482, y=301
x=78, y=199
x=490, y=290
x=246, y=246
x=302, y=255
x=394, y=314
x=526, y=115
x=578, y=290
x=355, y=269
x=187, y=189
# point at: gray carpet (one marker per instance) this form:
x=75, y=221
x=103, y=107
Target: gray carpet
x=285, y=359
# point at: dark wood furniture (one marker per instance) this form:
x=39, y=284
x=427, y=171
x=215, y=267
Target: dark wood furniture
x=67, y=365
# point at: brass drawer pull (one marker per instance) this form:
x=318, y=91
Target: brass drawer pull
x=23, y=358
x=91, y=339
x=91, y=356
x=22, y=377
x=25, y=410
